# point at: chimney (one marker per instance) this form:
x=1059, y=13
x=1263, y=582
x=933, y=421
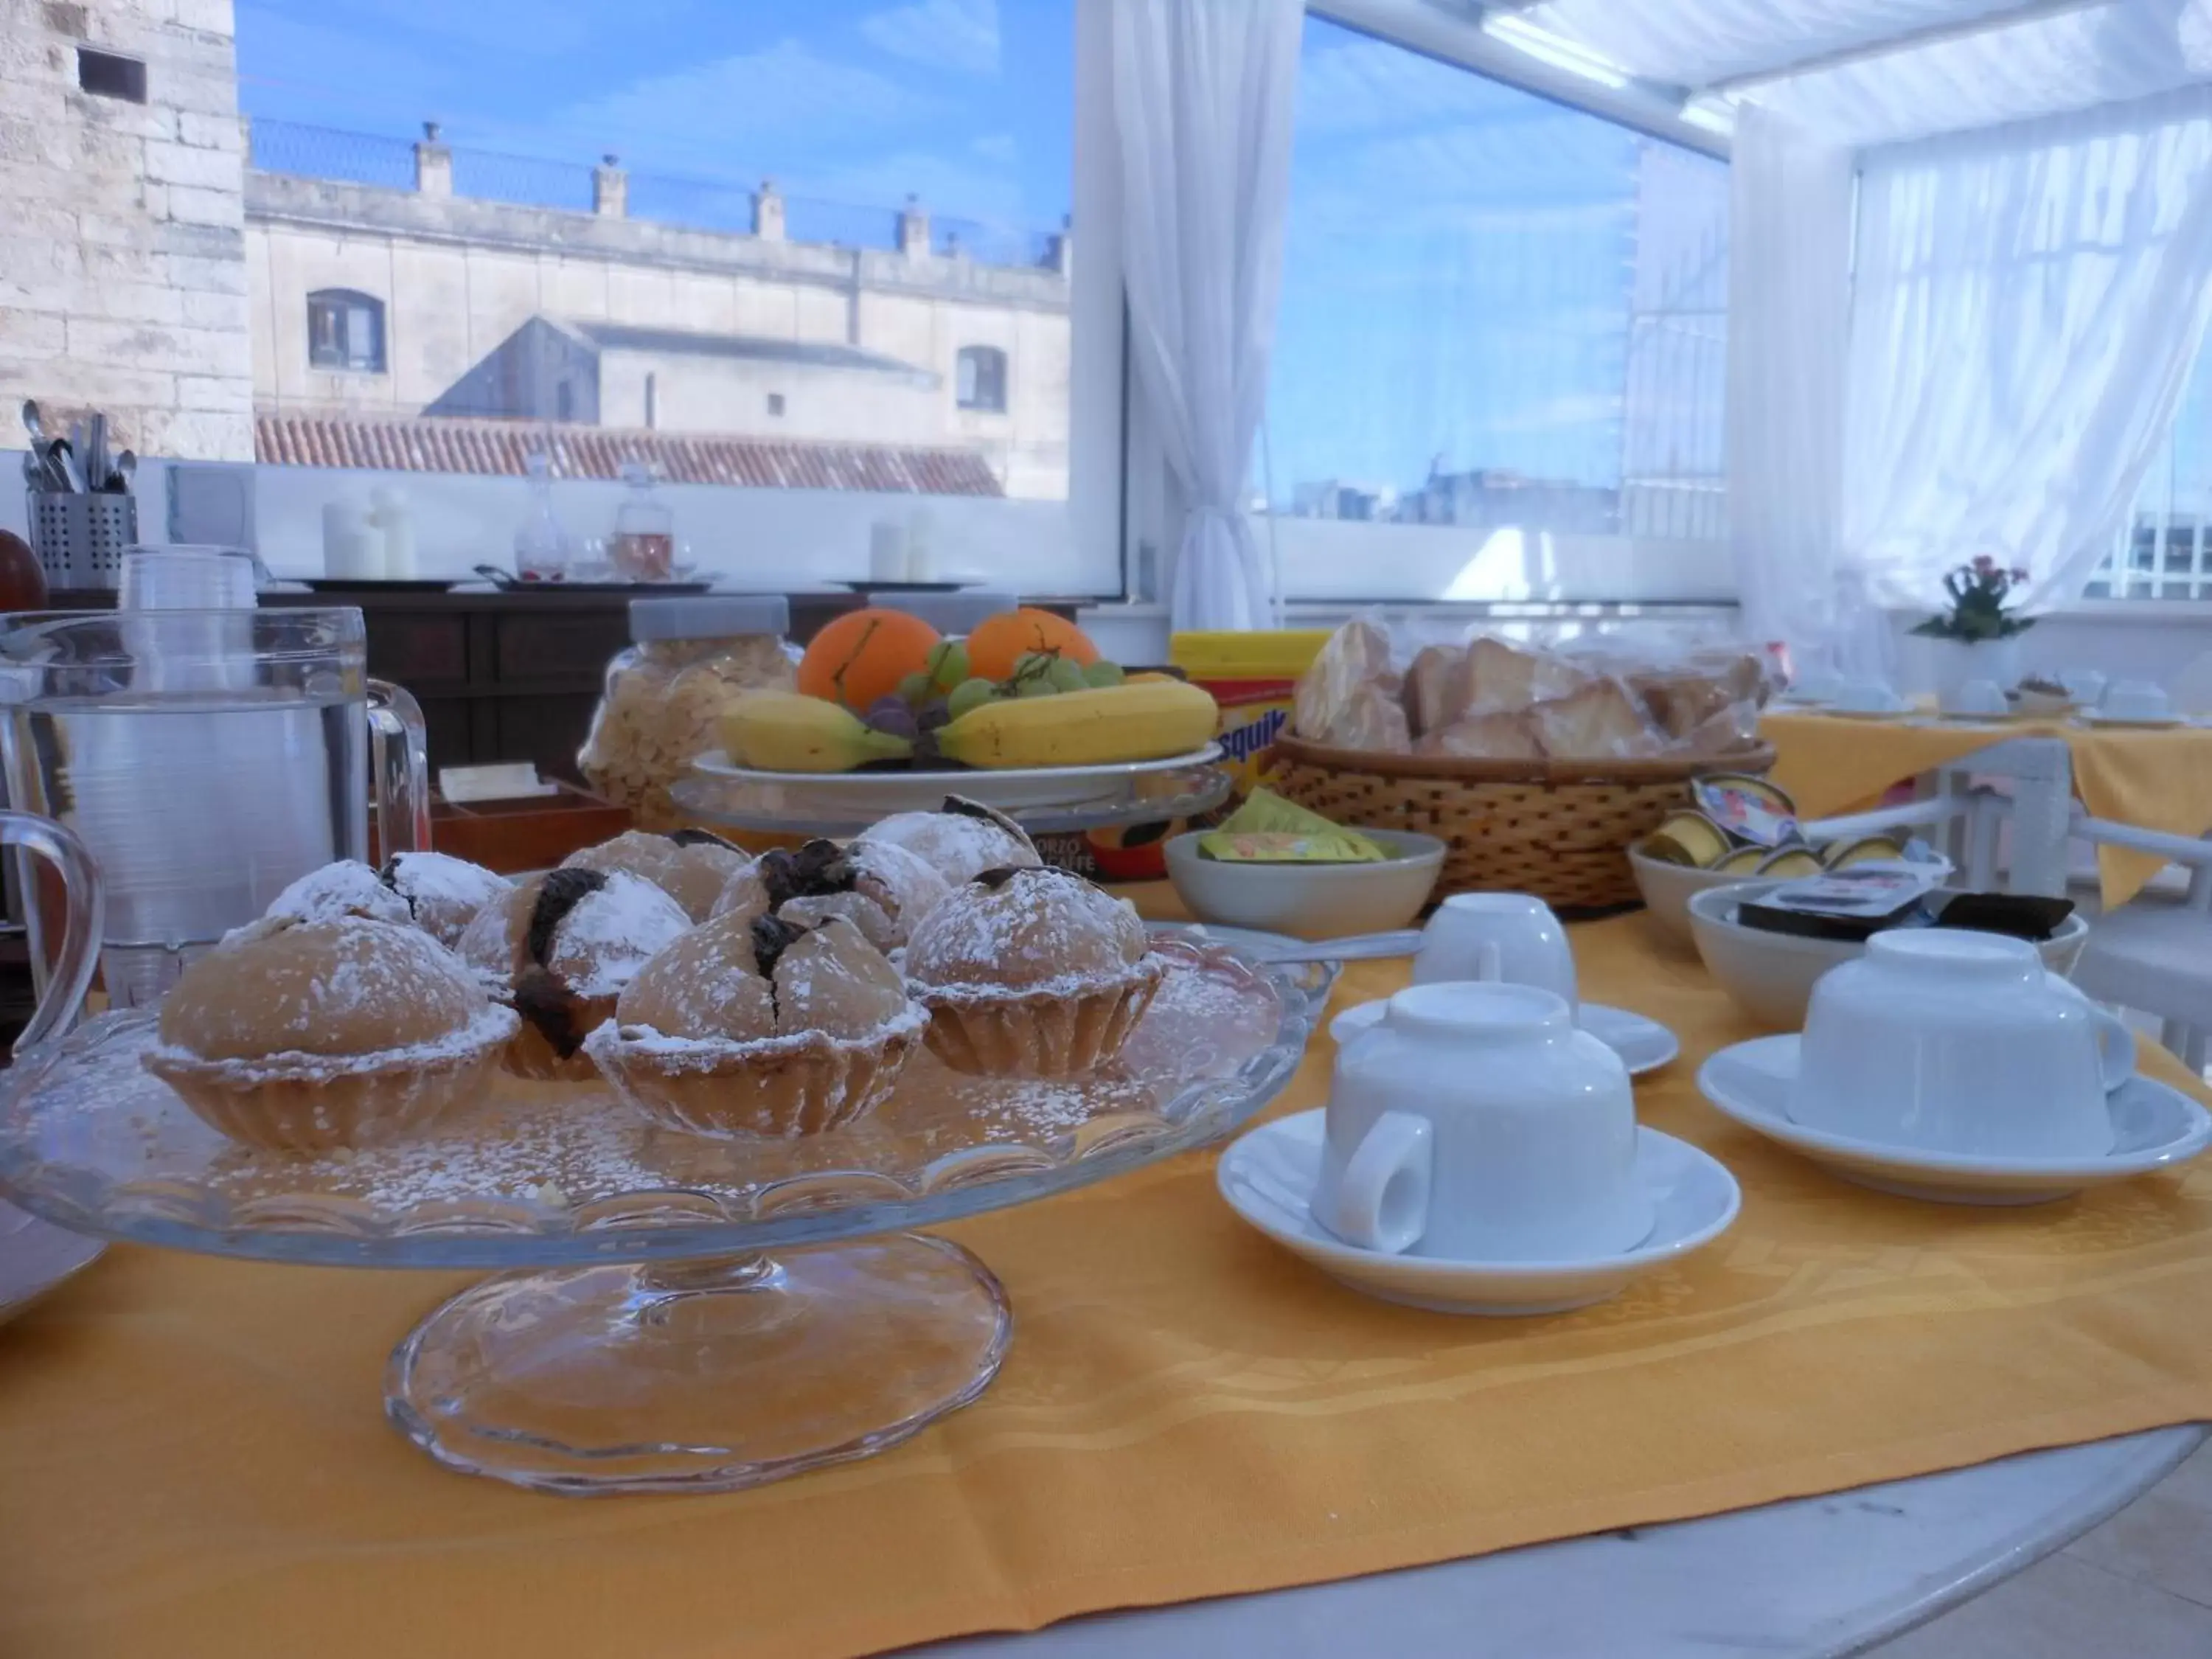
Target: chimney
x=610, y=188
x=1060, y=248
x=913, y=229
x=768, y=212
x=434, y=163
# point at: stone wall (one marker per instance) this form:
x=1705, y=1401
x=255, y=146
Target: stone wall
x=122, y=242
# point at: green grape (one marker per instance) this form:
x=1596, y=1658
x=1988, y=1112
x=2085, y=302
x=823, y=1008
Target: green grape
x=1040, y=686
x=1103, y=674
x=948, y=664
x=916, y=689
x=1066, y=676
x=969, y=694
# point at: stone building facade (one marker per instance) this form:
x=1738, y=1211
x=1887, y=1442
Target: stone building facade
x=484, y=308
x=123, y=273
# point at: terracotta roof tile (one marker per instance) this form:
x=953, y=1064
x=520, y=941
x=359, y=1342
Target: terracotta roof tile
x=499, y=449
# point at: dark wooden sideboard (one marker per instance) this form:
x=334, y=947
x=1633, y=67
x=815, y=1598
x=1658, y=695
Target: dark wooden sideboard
x=503, y=677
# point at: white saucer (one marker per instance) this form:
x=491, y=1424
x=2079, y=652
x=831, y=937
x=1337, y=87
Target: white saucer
x=35, y=1256
x=2140, y=722
x=1644, y=1045
x=2156, y=1128
x=1268, y=1175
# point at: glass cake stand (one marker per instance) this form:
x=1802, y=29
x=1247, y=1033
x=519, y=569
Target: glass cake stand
x=674, y=1312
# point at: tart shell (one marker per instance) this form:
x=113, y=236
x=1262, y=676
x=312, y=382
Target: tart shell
x=773, y=1088
x=313, y=1102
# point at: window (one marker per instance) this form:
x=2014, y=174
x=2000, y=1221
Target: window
x=775, y=403
x=2165, y=550
x=109, y=74
x=345, y=330
x=1501, y=349
x=564, y=402
x=982, y=379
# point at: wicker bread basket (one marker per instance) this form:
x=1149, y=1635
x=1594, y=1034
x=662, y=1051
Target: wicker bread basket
x=1559, y=829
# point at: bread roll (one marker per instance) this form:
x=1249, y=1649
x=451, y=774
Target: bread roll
x=1600, y=721
x=1485, y=736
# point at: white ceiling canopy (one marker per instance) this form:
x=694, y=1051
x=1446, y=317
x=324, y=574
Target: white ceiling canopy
x=1864, y=72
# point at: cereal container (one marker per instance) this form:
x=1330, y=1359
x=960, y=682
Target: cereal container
x=688, y=659
x=1252, y=676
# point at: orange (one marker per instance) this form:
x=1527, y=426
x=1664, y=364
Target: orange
x=995, y=641
x=862, y=656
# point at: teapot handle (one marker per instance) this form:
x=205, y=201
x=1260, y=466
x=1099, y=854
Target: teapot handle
x=84, y=908
x=400, y=765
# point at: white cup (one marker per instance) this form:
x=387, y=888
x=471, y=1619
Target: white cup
x=1512, y=937
x=2084, y=685
x=1867, y=697
x=1943, y=1039
x=2136, y=700
x=1474, y=1123
x=1978, y=697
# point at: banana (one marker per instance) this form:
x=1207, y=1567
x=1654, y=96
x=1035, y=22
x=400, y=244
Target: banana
x=785, y=731
x=1140, y=720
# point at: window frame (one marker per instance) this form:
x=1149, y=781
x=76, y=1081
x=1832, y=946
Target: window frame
x=970, y=381
x=1324, y=570
x=343, y=304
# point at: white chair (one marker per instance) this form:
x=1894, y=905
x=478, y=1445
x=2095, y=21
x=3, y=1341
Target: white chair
x=2153, y=956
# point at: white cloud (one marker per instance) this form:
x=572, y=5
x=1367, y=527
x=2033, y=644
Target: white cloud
x=725, y=111
x=996, y=147
x=954, y=35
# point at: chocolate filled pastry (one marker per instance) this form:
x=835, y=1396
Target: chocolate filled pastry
x=347, y=887
x=960, y=839
x=755, y=1026
x=339, y=1032
x=881, y=888
x=442, y=893
x=691, y=866
x=559, y=950
x=1031, y=972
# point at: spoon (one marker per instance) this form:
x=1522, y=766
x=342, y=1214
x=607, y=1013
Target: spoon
x=32, y=424
x=126, y=468
x=1353, y=947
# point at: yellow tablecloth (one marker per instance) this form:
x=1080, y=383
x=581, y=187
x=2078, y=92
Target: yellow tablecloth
x=191, y=1459
x=2154, y=779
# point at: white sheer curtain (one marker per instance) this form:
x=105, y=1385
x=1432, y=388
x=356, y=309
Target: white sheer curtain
x=2028, y=303
x=1789, y=261
x=1204, y=95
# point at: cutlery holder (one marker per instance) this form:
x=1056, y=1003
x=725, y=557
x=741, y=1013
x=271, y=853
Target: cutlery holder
x=80, y=538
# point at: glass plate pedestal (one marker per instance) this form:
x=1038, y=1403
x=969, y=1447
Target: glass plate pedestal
x=671, y=1312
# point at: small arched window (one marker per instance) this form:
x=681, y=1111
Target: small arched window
x=982, y=379
x=345, y=330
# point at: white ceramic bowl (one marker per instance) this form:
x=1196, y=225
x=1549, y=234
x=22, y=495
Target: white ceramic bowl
x=1668, y=890
x=1310, y=901
x=1771, y=975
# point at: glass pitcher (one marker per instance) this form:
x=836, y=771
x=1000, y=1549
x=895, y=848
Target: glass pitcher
x=207, y=759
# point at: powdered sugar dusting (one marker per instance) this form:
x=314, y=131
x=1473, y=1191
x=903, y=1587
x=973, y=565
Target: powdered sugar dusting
x=1034, y=933
x=960, y=846
x=613, y=933
x=348, y=888
x=491, y=1026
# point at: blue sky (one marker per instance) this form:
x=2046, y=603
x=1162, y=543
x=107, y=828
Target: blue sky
x=964, y=102
x=1460, y=258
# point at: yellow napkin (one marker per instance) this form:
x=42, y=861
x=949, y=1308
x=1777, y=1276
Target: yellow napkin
x=2154, y=779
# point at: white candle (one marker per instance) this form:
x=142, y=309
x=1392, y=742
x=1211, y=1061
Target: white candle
x=352, y=551
x=887, y=552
